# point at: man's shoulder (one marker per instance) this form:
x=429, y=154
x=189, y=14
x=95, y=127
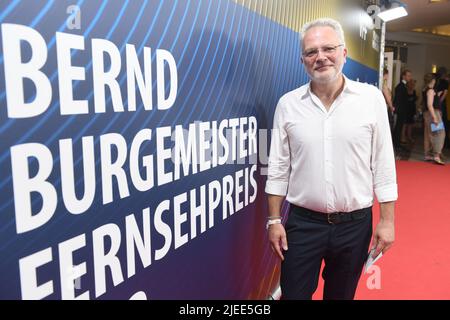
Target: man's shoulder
x=400, y=85
x=293, y=95
x=362, y=87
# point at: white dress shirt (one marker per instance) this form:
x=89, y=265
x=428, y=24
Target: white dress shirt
x=332, y=161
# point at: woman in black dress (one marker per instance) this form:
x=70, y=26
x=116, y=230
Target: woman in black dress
x=410, y=112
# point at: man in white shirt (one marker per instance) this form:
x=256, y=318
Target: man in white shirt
x=331, y=149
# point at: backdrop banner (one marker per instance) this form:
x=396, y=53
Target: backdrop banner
x=134, y=142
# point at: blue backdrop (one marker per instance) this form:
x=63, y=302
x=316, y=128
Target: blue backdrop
x=231, y=62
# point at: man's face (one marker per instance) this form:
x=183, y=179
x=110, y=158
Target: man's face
x=322, y=63
x=407, y=76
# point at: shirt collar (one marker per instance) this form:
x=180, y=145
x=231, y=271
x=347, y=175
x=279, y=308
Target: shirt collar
x=349, y=87
x=404, y=81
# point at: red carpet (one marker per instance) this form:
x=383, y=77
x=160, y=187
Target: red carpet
x=418, y=265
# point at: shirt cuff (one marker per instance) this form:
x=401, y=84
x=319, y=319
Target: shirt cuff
x=387, y=193
x=278, y=188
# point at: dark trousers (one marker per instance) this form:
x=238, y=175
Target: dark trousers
x=398, y=130
x=343, y=247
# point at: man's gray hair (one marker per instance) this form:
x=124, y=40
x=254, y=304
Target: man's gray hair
x=324, y=22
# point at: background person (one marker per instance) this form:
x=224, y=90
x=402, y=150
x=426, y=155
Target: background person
x=432, y=114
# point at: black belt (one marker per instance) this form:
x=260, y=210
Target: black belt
x=331, y=218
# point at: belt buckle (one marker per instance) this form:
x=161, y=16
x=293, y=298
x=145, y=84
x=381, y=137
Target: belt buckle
x=331, y=218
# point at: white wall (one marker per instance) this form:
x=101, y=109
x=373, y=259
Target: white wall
x=438, y=55
x=418, y=63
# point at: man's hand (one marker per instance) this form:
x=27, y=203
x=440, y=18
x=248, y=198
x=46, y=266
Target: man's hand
x=277, y=236
x=383, y=237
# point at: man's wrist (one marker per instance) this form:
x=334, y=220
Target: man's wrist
x=272, y=222
x=387, y=220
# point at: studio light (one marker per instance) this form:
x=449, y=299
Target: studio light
x=393, y=10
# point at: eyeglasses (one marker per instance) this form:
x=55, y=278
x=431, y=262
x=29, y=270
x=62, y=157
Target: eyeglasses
x=327, y=51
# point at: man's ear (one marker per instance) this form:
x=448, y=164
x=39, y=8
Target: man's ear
x=345, y=55
x=301, y=59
